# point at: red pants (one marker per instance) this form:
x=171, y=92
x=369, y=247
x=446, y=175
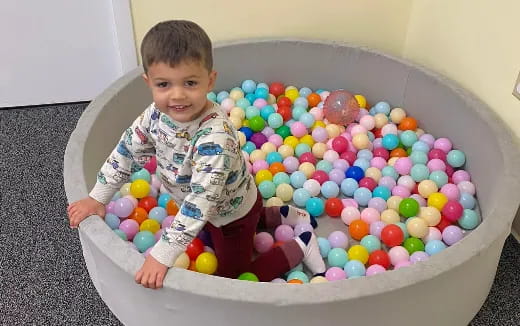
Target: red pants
x=233, y=245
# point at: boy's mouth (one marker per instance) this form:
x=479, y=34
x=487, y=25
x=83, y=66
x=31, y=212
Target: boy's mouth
x=179, y=108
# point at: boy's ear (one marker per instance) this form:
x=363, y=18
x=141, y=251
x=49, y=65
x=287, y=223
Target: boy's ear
x=146, y=80
x=212, y=79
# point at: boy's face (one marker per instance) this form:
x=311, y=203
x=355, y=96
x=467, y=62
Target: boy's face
x=180, y=91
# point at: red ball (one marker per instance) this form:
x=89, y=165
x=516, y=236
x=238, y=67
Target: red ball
x=379, y=257
x=147, y=203
x=307, y=157
x=368, y=182
x=349, y=156
x=320, y=176
x=276, y=89
x=452, y=210
x=444, y=223
x=195, y=248
x=415, y=189
x=392, y=235
x=339, y=144
x=449, y=170
x=381, y=152
x=377, y=133
x=437, y=153
x=284, y=101
x=285, y=112
x=333, y=207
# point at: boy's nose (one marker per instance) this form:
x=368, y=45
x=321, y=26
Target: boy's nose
x=177, y=93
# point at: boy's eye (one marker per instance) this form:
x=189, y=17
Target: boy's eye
x=162, y=84
x=191, y=83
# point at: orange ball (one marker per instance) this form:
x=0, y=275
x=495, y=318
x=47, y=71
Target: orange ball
x=358, y=229
x=277, y=244
x=295, y=281
x=398, y=152
x=139, y=215
x=276, y=167
x=408, y=123
x=313, y=99
x=171, y=208
x=193, y=266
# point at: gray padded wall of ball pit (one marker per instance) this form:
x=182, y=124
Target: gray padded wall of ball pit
x=448, y=289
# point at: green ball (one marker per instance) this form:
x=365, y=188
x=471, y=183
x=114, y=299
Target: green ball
x=456, y=158
x=439, y=177
x=121, y=234
x=267, y=189
x=144, y=240
x=247, y=276
x=283, y=131
x=413, y=244
x=404, y=229
x=419, y=172
x=281, y=177
x=408, y=138
x=409, y=207
x=418, y=157
x=256, y=123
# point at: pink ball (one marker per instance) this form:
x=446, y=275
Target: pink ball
x=436, y=165
x=438, y=154
x=109, y=208
x=338, y=239
x=307, y=157
x=276, y=139
x=330, y=156
x=350, y=214
x=377, y=203
x=401, y=191
x=151, y=165
x=268, y=131
x=158, y=234
x=298, y=129
x=329, y=144
x=406, y=181
x=341, y=164
x=133, y=200
x=398, y=254
x=419, y=199
x=460, y=175
x=388, y=182
x=374, y=269
x=452, y=210
x=403, y=165
x=443, y=144
x=302, y=227
x=317, y=113
x=388, y=129
x=260, y=103
x=339, y=144
x=227, y=104
x=401, y=264
x=428, y=139
x=467, y=186
x=433, y=234
x=260, y=165
x=335, y=274
x=130, y=227
x=263, y=242
x=376, y=228
x=291, y=164
x=320, y=135
x=349, y=202
x=378, y=162
x=367, y=182
x=320, y=176
x=381, y=152
x=284, y=233
x=167, y=222
x=346, y=135
x=370, y=215
x=452, y=234
x=357, y=129
x=451, y=191
x=367, y=121
x=349, y=156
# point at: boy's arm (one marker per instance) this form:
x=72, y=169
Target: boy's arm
x=202, y=204
x=133, y=150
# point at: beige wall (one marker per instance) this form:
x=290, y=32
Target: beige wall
x=378, y=24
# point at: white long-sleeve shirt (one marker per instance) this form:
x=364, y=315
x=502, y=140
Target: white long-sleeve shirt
x=200, y=164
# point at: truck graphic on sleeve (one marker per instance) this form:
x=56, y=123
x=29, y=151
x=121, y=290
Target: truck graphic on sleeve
x=191, y=210
x=208, y=149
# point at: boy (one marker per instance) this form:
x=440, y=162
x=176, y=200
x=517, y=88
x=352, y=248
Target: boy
x=183, y=124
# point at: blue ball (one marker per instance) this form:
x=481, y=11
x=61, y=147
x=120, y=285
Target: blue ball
x=164, y=199
x=382, y=192
x=275, y=120
x=349, y=186
x=249, y=147
x=324, y=245
x=307, y=119
x=467, y=200
x=221, y=96
x=456, y=158
x=382, y=107
x=252, y=111
x=408, y=138
x=434, y=247
x=365, y=154
x=273, y=157
x=389, y=171
x=141, y=174
x=251, y=97
x=243, y=103
x=301, y=148
x=248, y=86
x=469, y=219
x=337, y=257
x=324, y=165
x=355, y=172
x=281, y=177
x=363, y=163
x=297, y=112
x=144, y=240
x=421, y=146
x=315, y=206
x=299, y=275
x=419, y=172
x=305, y=91
x=372, y=111
x=266, y=111
x=112, y=221
x=439, y=177
x=248, y=132
x=261, y=93
x=300, y=197
x=298, y=178
x=290, y=122
x=419, y=157
x=158, y=213
x=329, y=189
x=212, y=96
x=371, y=243
x=267, y=189
x=362, y=196
x=354, y=268
x=390, y=141
x=301, y=101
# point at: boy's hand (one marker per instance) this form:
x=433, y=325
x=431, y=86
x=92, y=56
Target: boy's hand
x=81, y=209
x=151, y=274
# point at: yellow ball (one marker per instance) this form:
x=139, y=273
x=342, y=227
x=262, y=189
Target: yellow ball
x=183, y=261
x=236, y=94
x=380, y=119
x=271, y=99
x=284, y=191
x=419, y=132
x=236, y=121
x=318, y=123
x=390, y=216
x=291, y=141
x=289, y=88
x=358, y=252
x=307, y=168
x=257, y=155
x=333, y=130
x=150, y=225
x=437, y=200
x=268, y=147
x=319, y=149
x=362, y=101
x=286, y=151
x=139, y=188
x=292, y=94
x=125, y=189
x=430, y=214
x=373, y=173
x=427, y=187
x=245, y=123
x=392, y=160
x=307, y=139
x=206, y=263
x=241, y=138
x=263, y=175
x=318, y=279
x=393, y=202
x=274, y=201
x=417, y=227
x=361, y=141
x=237, y=112
x=397, y=114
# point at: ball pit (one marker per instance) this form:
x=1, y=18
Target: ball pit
x=431, y=286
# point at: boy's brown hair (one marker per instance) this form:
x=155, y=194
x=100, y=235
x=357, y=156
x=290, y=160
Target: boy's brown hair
x=175, y=41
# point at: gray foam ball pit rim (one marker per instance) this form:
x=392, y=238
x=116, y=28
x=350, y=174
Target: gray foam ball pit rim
x=409, y=89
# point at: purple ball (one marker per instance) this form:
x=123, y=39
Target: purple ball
x=268, y=131
x=337, y=176
x=452, y=234
x=205, y=236
x=123, y=207
x=378, y=203
x=302, y=227
x=258, y=139
x=167, y=222
x=335, y=274
x=374, y=269
x=376, y=228
x=341, y=164
x=418, y=256
x=338, y=239
x=110, y=207
x=388, y=182
x=130, y=227
x=291, y=164
x=284, y=233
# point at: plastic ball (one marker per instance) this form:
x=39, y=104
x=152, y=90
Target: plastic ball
x=158, y=213
x=335, y=274
x=150, y=225
x=417, y=227
x=371, y=243
x=333, y=207
x=408, y=207
x=452, y=234
x=315, y=206
x=112, y=221
x=358, y=229
x=430, y=215
x=123, y=207
x=263, y=175
x=283, y=233
x=392, y=235
x=129, y=227
x=413, y=244
x=362, y=196
x=183, y=261
x=307, y=169
x=171, y=208
x=452, y=210
x=469, y=219
x=274, y=201
x=284, y=191
x=267, y=189
x=195, y=248
x=248, y=276
x=434, y=247
x=312, y=186
x=144, y=240
x=349, y=186
x=206, y=263
x=456, y=158
x=256, y=123
x=341, y=107
x=329, y=189
x=359, y=253
x=437, y=200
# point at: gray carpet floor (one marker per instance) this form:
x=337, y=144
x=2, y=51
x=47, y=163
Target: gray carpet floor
x=43, y=276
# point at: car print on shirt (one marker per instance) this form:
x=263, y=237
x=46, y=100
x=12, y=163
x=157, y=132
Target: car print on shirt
x=123, y=150
x=155, y=114
x=235, y=202
x=183, y=179
x=207, y=118
x=217, y=178
x=191, y=210
x=141, y=135
x=200, y=133
x=197, y=188
x=183, y=134
x=213, y=197
x=204, y=168
x=232, y=177
x=227, y=128
x=113, y=162
x=168, y=122
x=209, y=149
x=186, y=188
x=178, y=158
x=172, y=168
x=101, y=178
